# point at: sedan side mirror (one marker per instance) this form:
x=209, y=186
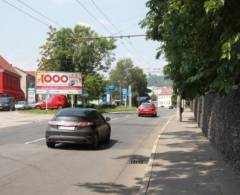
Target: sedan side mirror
x=107, y=118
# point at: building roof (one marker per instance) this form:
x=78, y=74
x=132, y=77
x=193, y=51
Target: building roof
x=165, y=91
x=32, y=73
x=20, y=70
x=4, y=64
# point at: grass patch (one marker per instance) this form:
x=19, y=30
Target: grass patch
x=117, y=109
x=38, y=111
x=102, y=110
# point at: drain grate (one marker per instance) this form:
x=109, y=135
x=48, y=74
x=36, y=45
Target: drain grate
x=138, y=161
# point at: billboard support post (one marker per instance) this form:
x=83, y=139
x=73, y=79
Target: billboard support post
x=46, y=100
x=72, y=100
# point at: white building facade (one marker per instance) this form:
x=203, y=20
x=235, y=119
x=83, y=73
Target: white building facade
x=164, y=96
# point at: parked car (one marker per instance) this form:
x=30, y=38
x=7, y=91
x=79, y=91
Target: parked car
x=23, y=105
x=78, y=125
x=7, y=103
x=170, y=107
x=55, y=102
x=147, y=109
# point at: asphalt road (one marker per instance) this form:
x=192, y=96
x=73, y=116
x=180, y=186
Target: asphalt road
x=28, y=167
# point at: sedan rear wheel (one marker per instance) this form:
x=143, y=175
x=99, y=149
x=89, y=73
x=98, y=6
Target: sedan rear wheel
x=95, y=141
x=108, y=137
x=50, y=144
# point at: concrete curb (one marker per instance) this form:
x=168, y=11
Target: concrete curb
x=148, y=172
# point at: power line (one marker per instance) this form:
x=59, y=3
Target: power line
x=39, y=13
x=116, y=36
x=103, y=14
x=116, y=28
x=26, y=13
x=97, y=20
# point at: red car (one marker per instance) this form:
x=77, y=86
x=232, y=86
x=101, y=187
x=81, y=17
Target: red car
x=148, y=109
x=55, y=102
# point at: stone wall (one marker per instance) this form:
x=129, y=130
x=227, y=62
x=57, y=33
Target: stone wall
x=219, y=118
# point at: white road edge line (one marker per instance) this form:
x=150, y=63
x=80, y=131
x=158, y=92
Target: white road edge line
x=148, y=172
x=36, y=140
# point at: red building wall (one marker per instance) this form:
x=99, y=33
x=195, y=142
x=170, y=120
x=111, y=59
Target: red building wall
x=1, y=82
x=9, y=81
x=10, y=86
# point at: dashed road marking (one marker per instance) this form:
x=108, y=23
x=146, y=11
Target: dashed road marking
x=34, y=141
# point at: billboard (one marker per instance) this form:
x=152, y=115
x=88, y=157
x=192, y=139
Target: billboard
x=48, y=82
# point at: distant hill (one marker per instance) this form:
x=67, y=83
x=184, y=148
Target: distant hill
x=158, y=81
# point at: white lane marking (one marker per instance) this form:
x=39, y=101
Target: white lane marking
x=33, y=141
x=115, y=119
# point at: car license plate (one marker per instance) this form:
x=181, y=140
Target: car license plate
x=66, y=128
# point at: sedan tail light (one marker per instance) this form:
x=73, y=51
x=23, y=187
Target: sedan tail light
x=68, y=123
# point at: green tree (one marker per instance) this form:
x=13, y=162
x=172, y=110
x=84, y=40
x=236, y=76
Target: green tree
x=201, y=42
x=68, y=49
x=126, y=74
x=154, y=97
x=121, y=74
x=94, y=86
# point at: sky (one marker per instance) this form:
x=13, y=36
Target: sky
x=21, y=36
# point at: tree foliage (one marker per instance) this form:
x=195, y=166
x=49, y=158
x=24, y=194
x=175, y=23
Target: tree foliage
x=126, y=74
x=94, y=86
x=201, y=42
x=68, y=49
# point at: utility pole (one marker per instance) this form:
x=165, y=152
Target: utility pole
x=130, y=96
x=120, y=91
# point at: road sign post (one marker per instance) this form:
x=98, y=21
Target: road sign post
x=125, y=95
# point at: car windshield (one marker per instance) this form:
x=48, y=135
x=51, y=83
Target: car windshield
x=4, y=100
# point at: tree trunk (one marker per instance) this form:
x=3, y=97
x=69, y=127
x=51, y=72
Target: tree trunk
x=179, y=108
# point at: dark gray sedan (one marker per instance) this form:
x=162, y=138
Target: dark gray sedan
x=78, y=125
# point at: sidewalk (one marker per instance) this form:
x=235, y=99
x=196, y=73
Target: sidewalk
x=10, y=119
x=186, y=163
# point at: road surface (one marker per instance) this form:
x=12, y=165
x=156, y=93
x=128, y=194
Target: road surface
x=28, y=167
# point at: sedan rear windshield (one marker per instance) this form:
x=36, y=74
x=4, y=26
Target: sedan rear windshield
x=74, y=112
x=70, y=118
x=146, y=105
x=4, y=100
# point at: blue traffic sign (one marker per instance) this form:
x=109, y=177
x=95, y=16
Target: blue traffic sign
x=110, y=88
